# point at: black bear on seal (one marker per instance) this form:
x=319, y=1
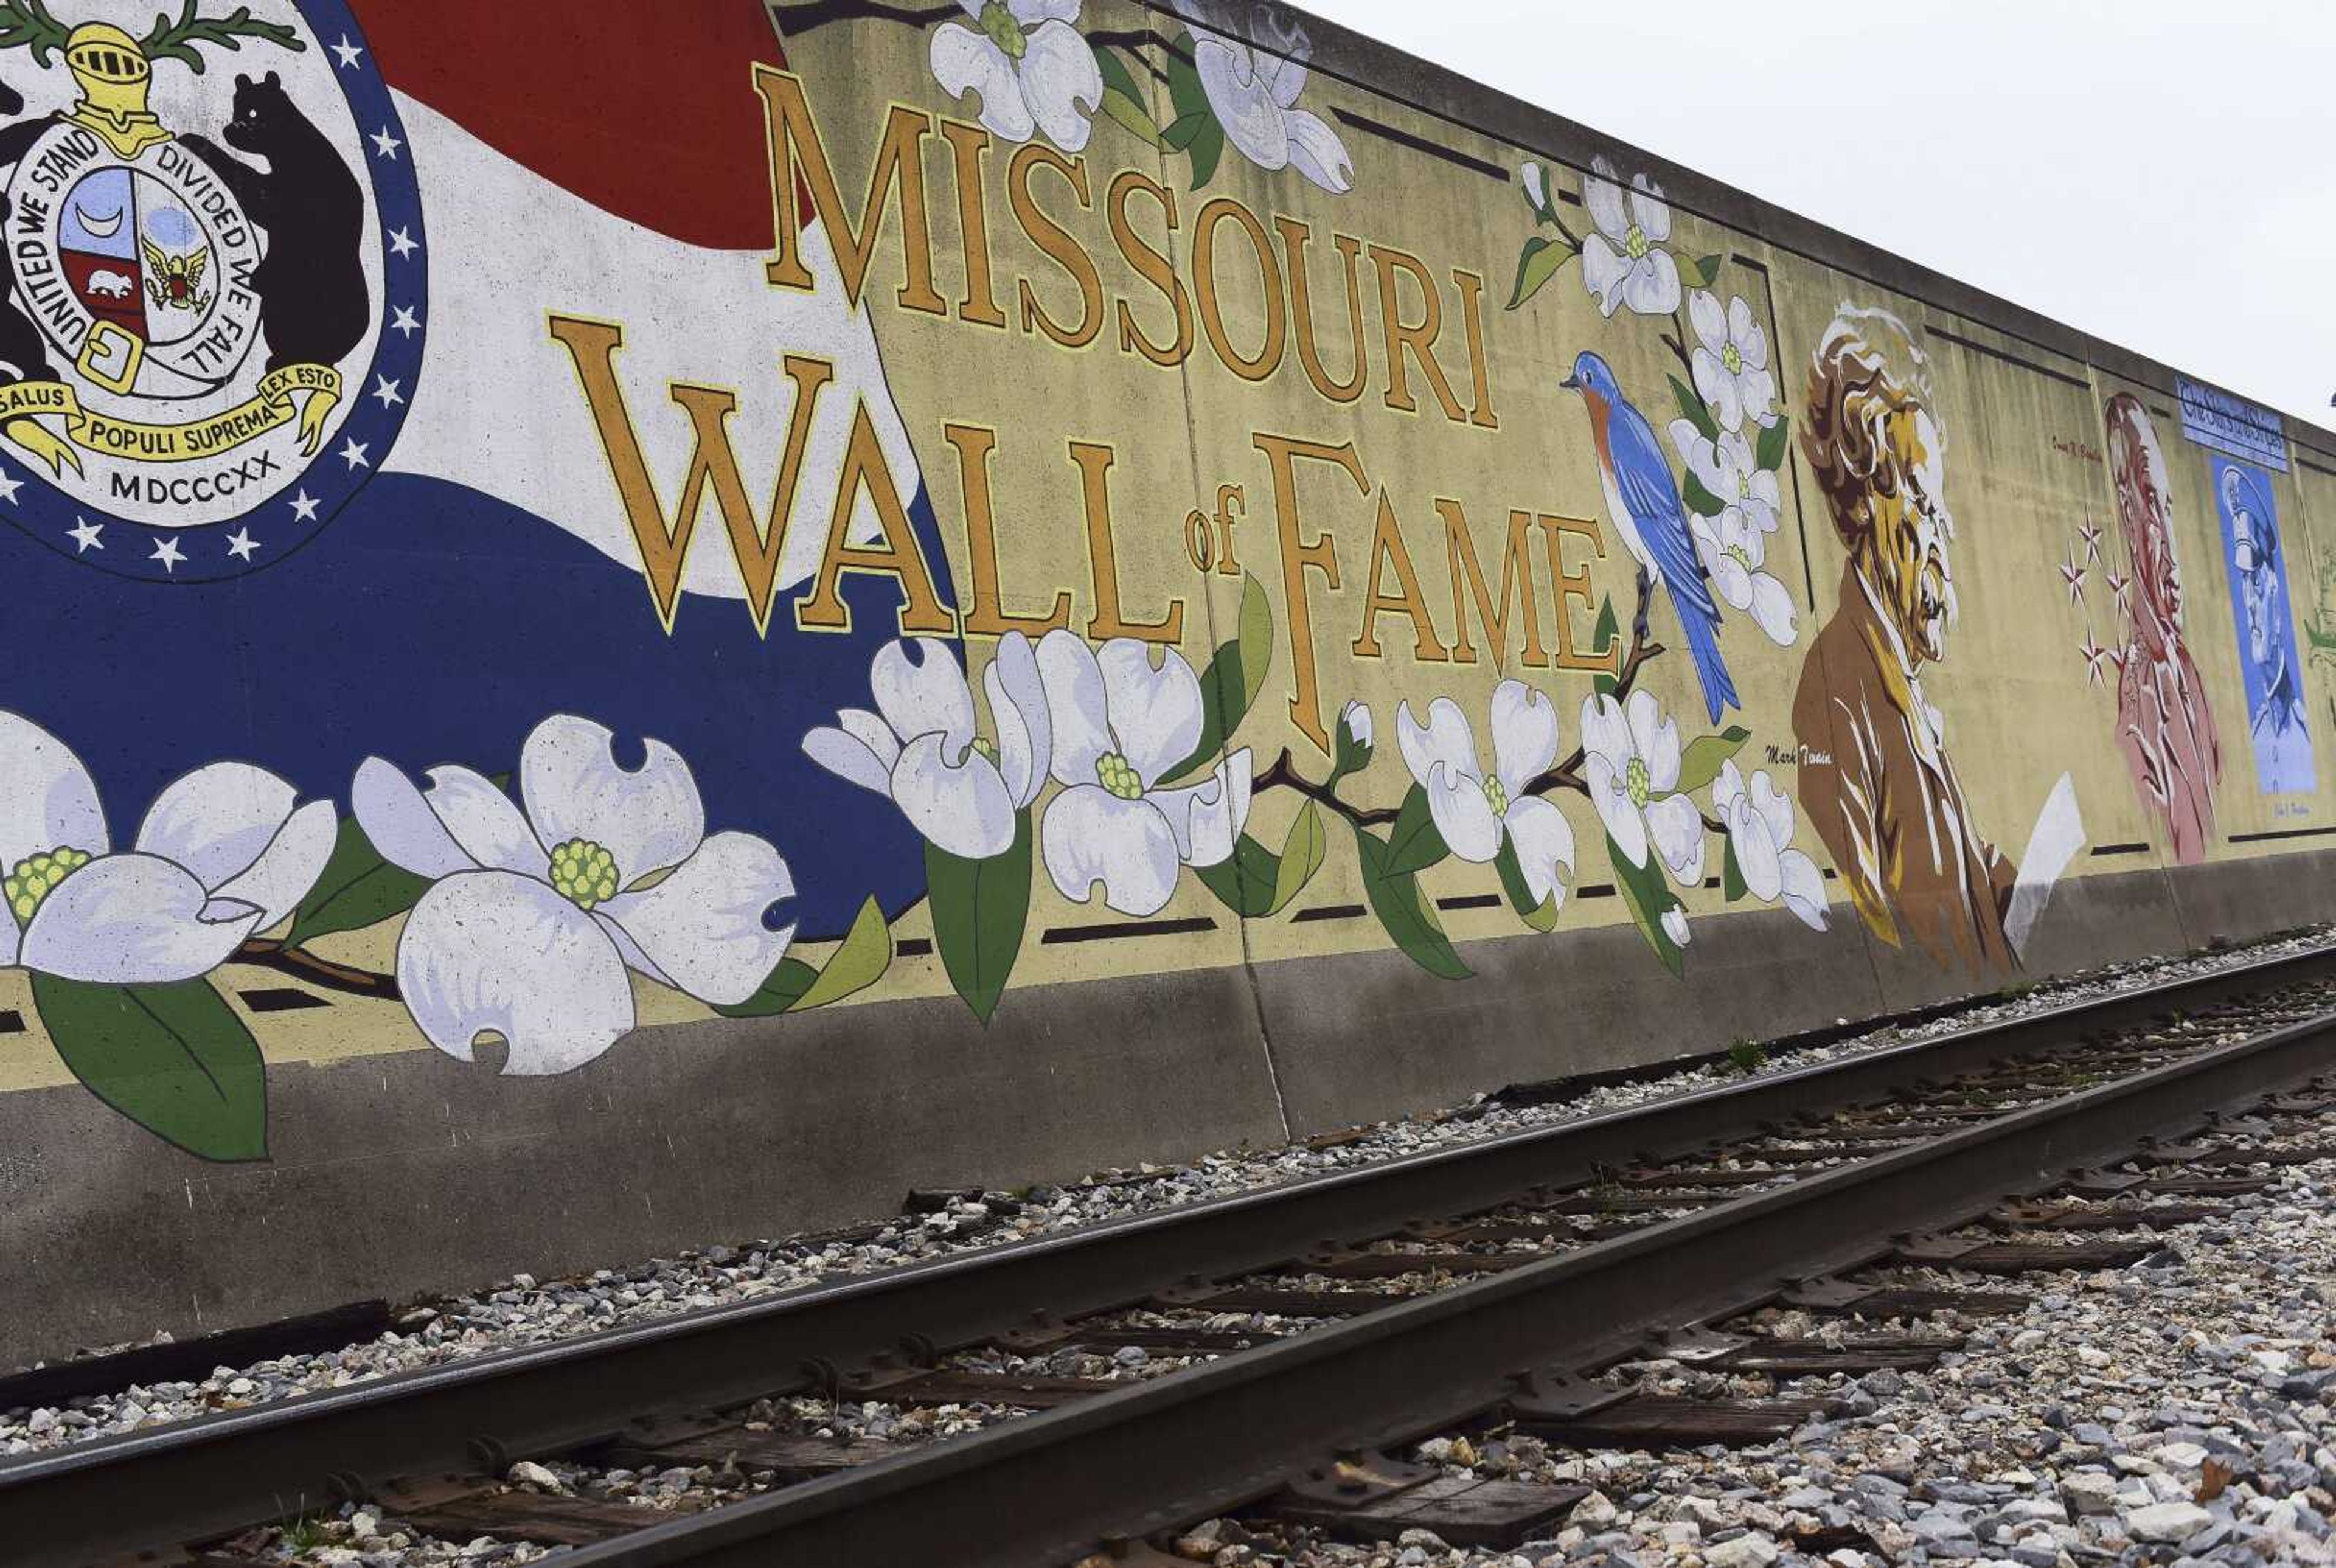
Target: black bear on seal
x=311, y=284
x=24, y=352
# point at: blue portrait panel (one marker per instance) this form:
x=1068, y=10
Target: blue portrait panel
x=2255, y=563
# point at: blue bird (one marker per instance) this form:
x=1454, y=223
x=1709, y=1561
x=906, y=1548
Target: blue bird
x=1644, y=500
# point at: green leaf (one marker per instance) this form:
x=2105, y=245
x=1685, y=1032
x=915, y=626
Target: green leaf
x=1700, y=500
x=356, y=889
x=1232, y=680
x=1256, y=882
x=1771, y=455
x=980, y=908
x=1181, y=130
x=1196, y=130
x=1649, y=897
x=1701, y=762
x=1537, y=265
x=1122, y=100
x=1407, y=911
x=1414, y=843
x=1243, y=883
x=794, y=987
x=1602, y=637
x=781, y=990
x=1129, y=113
x=1303, y=848
x=1699, y=274
x=1692, y=409
x=1207, y=148
x=1540, y=917
x=1731, y=876
x=175, y=1059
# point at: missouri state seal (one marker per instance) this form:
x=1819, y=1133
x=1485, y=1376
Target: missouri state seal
x=212, y=290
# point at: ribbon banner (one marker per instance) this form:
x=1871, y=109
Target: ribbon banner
x=278, y=402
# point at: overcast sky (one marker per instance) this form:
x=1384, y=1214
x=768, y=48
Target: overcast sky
x=2161, y=173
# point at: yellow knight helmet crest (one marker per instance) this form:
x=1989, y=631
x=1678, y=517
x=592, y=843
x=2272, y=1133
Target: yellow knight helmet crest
x=115, y=75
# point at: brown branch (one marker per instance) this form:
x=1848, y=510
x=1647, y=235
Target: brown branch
x=795, y=20
x=1565, y=775
x=300, y=964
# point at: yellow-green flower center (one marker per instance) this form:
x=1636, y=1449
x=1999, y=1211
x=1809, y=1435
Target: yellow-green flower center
x=1005, y=32
x=1738, y=554
x=1733, y=358
x=984, y=746
x=1113, y=772
x=34, y=878
x=1637, y=783
x=583, y=872
x=1496, y=795
x=1636, y=244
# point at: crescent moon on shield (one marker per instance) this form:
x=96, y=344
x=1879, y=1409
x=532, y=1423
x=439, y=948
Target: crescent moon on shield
x=104, y=227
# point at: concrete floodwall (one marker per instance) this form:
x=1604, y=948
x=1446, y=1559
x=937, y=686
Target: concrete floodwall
x=1415, y=596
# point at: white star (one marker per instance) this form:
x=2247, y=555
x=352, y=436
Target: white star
x=401, y=243
x=167, y=551
x=84, y=537
x=386, y=390
x=353, y=452
x=405, y=324
x=386, y=145
x=348, y=52
x=240, y=544
x=9, y=487
x=304, y=506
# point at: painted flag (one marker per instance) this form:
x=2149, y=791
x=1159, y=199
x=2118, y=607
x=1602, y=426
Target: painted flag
x=390, y=527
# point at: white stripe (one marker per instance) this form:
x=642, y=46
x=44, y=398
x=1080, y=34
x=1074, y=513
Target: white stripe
x=500, y=408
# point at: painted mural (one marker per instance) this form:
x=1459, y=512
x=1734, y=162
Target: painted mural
x=2257, y=566
x=955, y=502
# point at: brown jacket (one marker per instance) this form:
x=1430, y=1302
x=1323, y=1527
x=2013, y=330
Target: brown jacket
x=1889, y=805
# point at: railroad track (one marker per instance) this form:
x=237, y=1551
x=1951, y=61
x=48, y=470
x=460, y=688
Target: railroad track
x=1289, y=1336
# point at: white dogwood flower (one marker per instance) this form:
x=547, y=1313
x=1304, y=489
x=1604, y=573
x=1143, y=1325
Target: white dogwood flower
x=1675, y=926
x=534, y=915
x=1252, y=61
x=1028, y=65
x=920, y=749
x=1731, y=361
x=1760, y=830
x=1733, y=551
x=222, y=854
x=1535, y=180
x=1727, y=469
x=1631, y=763
x=1119, y=725
x=1624, y=262
x=1474, y=808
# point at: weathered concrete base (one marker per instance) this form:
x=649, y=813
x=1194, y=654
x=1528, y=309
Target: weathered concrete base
x=405, y=1174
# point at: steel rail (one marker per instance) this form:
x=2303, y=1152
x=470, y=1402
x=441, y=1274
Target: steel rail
x=1046, y=1488
x=216, y=1474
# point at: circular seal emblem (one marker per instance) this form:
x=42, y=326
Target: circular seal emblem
x=213, y=291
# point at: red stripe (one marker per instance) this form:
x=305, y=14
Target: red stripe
x=647, y=111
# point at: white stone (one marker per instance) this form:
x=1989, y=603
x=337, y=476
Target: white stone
x=2166, y=1522
x=1594, y=1512
x=1751, y=1551
x=2088, y=1491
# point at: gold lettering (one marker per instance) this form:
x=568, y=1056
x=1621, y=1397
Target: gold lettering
x=1102, y=555
x=1294, y=237
x=967, y=143
x=1418, y=337
x=1576, y=586
x=1268, y=358
x=899, y=161
x=1057, y=242
x=1152, y=266
x=1300, y=555
x=1388, y=549
x=987, y=616
x=899, y=557
x=713, y=465
x=1493, y=611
